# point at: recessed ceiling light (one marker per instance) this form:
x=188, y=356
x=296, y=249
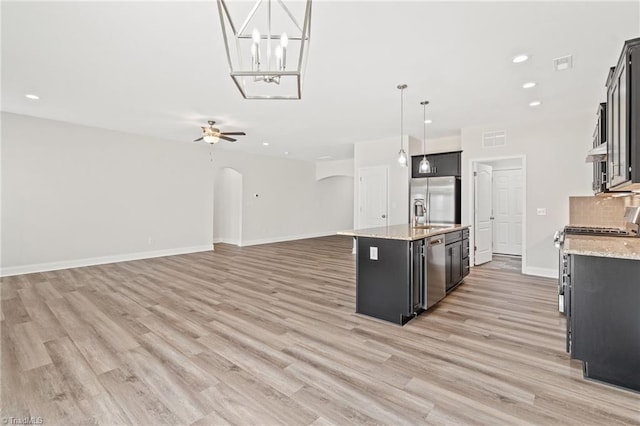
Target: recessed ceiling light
x=520, y=58
x=428, y=121
x=529, y=85
x=535, y=103
x=286, y=153
x=265, y=143
x=30, y=96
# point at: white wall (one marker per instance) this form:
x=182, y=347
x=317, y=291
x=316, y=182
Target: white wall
x=554, y=154
x=75, y=195
x=451, y=143
x=384, y=152
x=290, y=202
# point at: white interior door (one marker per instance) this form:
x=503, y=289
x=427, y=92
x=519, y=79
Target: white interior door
x=373, y=209
x=507, y=211
x=482, y=217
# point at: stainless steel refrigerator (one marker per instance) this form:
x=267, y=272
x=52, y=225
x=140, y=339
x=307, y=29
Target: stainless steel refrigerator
x=438, y=198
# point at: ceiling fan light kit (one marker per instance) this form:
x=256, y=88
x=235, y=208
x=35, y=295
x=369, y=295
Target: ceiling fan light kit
x=213, y=135
x=266, y=44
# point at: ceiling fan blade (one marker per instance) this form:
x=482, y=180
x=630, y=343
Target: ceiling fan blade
x=227, y=138
x=234, y=133
x=199, y=139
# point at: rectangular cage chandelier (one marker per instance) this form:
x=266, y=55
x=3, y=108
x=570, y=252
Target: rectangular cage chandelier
x=267, y=43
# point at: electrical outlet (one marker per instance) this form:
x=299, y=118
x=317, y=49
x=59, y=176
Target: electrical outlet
x=373, y=253
x=542, y=211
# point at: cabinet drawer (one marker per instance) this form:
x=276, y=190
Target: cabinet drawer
x=465, y=233
x=452, y=237
x=465, y=250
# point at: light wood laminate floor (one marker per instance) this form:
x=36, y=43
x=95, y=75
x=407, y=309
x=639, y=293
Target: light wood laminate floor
x=268, y=335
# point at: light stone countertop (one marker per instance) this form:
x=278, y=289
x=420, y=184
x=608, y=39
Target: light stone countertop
x=588, y=245
x=403, y=232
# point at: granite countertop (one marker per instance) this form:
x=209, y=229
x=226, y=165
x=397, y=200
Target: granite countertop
x=589, y=245
x=403, y=232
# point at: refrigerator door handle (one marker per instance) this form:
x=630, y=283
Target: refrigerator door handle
x=428, y=218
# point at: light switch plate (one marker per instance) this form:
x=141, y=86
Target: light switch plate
x=542, y=211
x=373, y=253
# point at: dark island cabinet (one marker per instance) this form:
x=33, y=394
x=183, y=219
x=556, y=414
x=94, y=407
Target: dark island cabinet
x=465, y=252
x=623, y=120
x=442, y=164
x=457, y=258
x=603, y=319
x=390, y=278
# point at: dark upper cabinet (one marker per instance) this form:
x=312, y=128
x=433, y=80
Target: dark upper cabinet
x=600, y=137
x=623, y=121
x=442, y=164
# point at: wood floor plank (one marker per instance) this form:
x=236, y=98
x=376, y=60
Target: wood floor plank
x=138, y=403
x=39, y=312
x=268, y=335
x=29, y=346
x=111, y=333
x=94, y=350
x=80, y=379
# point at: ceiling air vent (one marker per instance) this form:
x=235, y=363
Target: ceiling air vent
x=563, y=63
x=494, y=139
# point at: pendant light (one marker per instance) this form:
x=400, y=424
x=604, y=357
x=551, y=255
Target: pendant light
x=425, y=166
x=402, y=155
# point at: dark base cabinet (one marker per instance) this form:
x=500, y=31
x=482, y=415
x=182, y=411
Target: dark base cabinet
x=384, y=287
x=604, y=319
x=457, y=257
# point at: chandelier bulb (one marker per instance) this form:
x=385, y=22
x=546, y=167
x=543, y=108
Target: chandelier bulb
x=284, y=40
x=255, y=35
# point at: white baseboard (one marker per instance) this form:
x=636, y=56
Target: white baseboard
x=287, y=238
x=79, y=263
x=226, y=241
x=541, y=272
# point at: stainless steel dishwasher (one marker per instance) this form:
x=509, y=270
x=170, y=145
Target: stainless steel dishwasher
x=435, y=276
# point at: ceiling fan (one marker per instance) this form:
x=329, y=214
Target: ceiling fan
x=213, y=135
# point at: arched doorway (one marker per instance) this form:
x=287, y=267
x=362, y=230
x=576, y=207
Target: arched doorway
x=227, y=207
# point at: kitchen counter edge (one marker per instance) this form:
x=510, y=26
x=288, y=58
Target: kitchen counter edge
x=403, y=232
x=599, y=246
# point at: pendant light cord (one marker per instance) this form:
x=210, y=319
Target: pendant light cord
x=424, y=128
x=401, y=115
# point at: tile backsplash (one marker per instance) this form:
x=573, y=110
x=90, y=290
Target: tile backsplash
x=600, y=210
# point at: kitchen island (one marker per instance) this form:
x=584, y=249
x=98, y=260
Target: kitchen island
x=603, y=319
x=403, y=270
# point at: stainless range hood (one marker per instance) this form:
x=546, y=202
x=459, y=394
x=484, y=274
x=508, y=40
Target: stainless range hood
x=597, y=154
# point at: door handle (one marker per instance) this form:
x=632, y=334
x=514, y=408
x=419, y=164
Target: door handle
x=384, y=216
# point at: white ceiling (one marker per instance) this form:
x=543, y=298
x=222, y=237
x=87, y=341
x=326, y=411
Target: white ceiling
x=159, y=68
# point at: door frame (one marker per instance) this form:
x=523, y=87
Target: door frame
x=472, y=210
